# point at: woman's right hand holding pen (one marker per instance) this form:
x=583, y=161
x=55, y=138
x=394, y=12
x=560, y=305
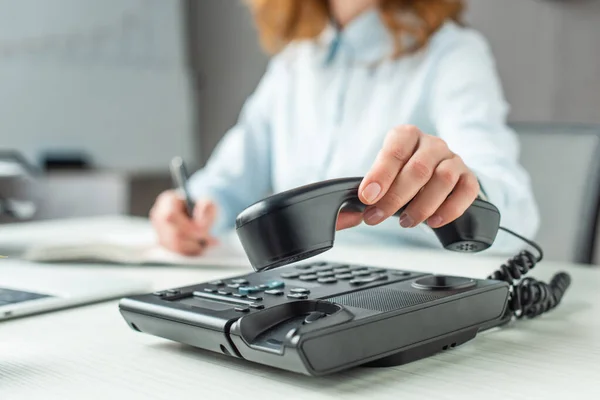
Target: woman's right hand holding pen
x=176, y=230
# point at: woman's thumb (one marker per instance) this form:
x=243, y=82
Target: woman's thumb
x=204, y=214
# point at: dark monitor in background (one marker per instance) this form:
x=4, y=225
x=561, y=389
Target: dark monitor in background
x=18, y=188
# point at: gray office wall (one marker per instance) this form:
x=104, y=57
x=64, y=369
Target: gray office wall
x=228, y=62
x=547, y=54
x=107, y=78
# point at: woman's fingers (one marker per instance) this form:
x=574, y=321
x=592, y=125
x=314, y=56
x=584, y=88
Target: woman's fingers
x=179, y=241
x=205, y=214
x=398, y=148
x=414, y=175
x=464, y=194
x=434, y=193
x=175, y=229
x=348, y=219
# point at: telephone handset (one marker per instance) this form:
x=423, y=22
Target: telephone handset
x=300, y=223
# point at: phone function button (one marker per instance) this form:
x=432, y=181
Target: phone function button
x=298, y=296
x=257, y=306
x=303, y=266
x=379, y=270
x=300, y=290
x=242, y=309
x=341, y=270
x=309, y=277
x=274, y=285
x=248, y=289
x=290, y=275
x=344, y=276
x=274, y=292
x=322, y=274
x=327, y=280
x=362, y=281
x=240, y=281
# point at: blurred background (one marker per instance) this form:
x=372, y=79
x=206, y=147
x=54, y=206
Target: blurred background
x=98, y=96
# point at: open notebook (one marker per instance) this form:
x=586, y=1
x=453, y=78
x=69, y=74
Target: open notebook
x=132, y=249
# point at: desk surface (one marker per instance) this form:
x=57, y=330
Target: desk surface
x=89, y=352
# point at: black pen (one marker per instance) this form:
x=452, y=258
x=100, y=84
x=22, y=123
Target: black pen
x=180, y=179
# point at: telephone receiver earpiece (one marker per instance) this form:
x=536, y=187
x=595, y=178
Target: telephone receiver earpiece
x=300, y=223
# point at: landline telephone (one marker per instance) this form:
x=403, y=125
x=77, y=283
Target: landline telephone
x=318, y=318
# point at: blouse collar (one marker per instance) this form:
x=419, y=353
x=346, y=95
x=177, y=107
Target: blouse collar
x=365, y=39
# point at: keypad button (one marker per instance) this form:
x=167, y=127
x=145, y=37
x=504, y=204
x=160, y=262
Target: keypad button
x=239, y=295
x=309, y=277
x=290, y=275
x=159, y=294
x=275, y=292
x=303, y=266
x=300, y=290
x=325, y=268
x=233, y=285
x=224, y=292
x=344, y=276
x=378, y=270
x=361, y=272
x=173, y=291
x=210, y=290
x=257, y=306
x=239, y=281
x=242, y=309
x=248, y=289
x=341, y=270
x=217, y=283
x=361, y=281
x=275, y=284
x=297, y=296
x=400, y=273
x=255, y=298
x=327, y=280
x=325, y=273
x=357, y=282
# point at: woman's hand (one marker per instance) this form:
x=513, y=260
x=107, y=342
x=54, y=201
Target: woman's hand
x=176, y=230
x=420, y=169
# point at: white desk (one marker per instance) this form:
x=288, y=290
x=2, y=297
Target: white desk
x=90, y=353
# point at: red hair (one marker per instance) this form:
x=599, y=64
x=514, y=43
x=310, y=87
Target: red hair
x=282, y=21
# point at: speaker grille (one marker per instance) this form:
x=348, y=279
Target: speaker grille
x=383, y=299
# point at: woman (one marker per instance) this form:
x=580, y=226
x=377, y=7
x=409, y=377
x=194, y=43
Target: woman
x=396, y=91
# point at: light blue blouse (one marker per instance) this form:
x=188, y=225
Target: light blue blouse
x=323, y=108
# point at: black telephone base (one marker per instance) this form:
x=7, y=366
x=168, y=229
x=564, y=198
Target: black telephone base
x=320, y=318
x=424, y=350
